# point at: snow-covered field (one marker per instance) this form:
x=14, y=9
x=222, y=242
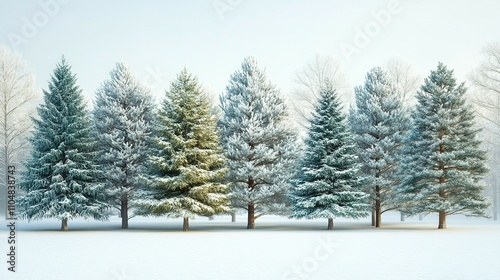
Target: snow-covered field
x=278, y=249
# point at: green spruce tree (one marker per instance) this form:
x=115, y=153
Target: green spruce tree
x=187, y=164
x=328, y=184
x=59, y=181
x=444, y=164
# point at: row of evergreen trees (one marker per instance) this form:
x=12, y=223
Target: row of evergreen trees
x=183, y=160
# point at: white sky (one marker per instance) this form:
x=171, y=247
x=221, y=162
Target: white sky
x=161, y=37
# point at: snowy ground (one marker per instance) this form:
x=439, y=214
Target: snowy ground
x=278, y=249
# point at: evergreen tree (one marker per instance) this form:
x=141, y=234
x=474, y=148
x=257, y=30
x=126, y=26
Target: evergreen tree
x=444, y=164
x=60, y=178
x=379, y=123
x=260, y=148
x=187, y=165
x=328, y=184
x=123, y=121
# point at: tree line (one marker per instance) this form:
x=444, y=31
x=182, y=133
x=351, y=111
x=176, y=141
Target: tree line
x=188, y=158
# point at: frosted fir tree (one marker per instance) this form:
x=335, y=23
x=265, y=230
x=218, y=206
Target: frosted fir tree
x=260, y=147
x=187, y=163
x=123, y=117
x=328, y=184
x=379, y=123
x=444, y=164
x=59, y=181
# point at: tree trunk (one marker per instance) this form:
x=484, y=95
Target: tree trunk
x=64, y=224
x=185, y=224
x=233, y=217
x=378, y=222
x=442, y=220
x=378, y=207
x=124, y=212
x=330, y=223
x=402, y=216
x=373, y=217
x=420, y=217
x=378, y=219
x=251, y=216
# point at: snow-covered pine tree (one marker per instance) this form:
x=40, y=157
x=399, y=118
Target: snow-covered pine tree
x=187, y=165
x=328, y=184
x=260, y=147
x=59, y=181
x=379, y=123
x=444, y=164
x=123, y=117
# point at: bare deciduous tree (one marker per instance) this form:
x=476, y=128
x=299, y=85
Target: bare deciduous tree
x=406, y=81
x=404, y=77
x=310, y=79
x=17, y=94
x=485, y=80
